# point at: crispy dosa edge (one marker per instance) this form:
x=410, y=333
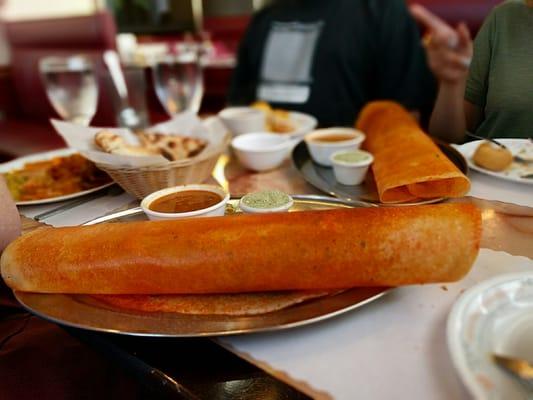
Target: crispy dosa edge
x=214, y=304
x=10, y=270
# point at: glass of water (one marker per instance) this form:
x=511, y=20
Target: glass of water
x=71, y=87
x=178, y=81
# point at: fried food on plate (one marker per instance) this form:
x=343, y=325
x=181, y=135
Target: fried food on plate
x=492, y=157
x=277, y=120
x=263, y=106
x=336, y=249
x=408, y=165
x=59, y=176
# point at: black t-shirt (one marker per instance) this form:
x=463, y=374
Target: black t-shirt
x=329, y=58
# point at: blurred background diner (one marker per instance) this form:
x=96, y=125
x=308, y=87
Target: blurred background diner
x=329, y=59
x=145, y=32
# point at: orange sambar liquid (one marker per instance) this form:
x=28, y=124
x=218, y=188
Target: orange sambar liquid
x=188, y=200
x=333, y=138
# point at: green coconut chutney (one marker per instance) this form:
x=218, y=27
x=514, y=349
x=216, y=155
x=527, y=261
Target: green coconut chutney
x=266, y=199
x=351, y=157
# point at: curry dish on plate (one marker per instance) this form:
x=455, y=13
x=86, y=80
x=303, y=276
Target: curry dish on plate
x=277, y=120
x=56, y=177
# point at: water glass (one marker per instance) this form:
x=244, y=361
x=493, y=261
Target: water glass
x=71, y=87
x=178, y=82
x=135, y=80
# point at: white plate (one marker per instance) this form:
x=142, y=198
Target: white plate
x=19, y=163
x=513, y=172
x=305, y=123
x=495, y=316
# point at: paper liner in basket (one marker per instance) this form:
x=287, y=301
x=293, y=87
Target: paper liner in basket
x=81, y=138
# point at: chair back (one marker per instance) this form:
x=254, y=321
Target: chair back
x=32, y=40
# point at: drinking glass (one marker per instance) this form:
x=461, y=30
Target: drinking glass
x=134, y=77
x=178, y=82
x=71, y=87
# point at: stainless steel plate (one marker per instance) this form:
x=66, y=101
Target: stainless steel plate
x=323, y=178
x=82, y=311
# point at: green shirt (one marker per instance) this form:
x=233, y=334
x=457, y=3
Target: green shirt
x=500, y=81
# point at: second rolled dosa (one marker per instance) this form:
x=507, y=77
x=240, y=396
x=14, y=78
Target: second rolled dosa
x=329, y=249
x=408, y=165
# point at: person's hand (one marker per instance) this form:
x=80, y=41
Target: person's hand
x=10, y=225
x=449, y=51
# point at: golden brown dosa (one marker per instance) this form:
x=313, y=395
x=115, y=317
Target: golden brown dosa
x=212, y=304
x=329, y=249
x=408, y=165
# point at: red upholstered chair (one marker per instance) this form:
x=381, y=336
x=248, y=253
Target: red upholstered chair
x=33, y=40
x=25, y=128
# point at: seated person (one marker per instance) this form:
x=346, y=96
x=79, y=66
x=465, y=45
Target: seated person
x=10, y=224
x=329, y=58
x=493, y=95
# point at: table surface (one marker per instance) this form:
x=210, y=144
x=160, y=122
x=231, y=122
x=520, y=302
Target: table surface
x=202, y=366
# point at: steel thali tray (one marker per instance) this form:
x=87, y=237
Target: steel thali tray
x=323, y=178
x=81, y=311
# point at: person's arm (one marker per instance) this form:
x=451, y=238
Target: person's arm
x=10, y=225
x=449, y=54
x=448, y=120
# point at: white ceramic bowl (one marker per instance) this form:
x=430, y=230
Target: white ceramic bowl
x=261, y=151
x=213, y=211
x=350, y=173
x=252, y=210
x=241, y=120
x=321, y=151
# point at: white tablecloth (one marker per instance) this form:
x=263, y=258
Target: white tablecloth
x=393, y=348
x=490, y=188
x=82, y=213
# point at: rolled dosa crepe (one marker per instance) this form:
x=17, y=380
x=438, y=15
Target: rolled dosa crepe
x=250, y=253
x=407, y=164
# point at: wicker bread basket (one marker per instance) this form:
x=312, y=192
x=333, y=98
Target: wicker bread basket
x=141, y=181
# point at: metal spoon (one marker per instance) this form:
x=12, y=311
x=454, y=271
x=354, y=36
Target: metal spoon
x=127, y=115
x=489, y=139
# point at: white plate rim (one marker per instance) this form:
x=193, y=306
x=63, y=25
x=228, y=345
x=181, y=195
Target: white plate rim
x=42, y=156
x=305, y=119
x=455, y=323
x=467, y=150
